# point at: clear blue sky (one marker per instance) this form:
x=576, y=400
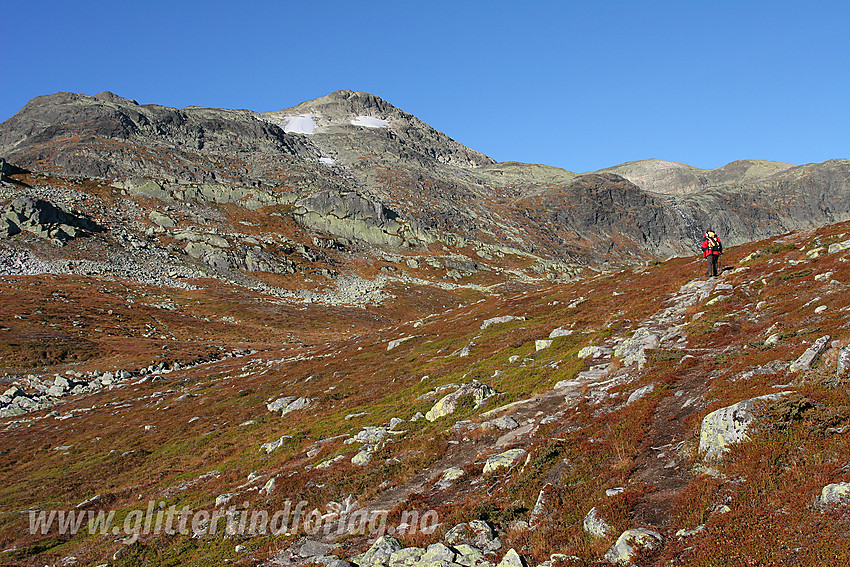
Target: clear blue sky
x=579, y=85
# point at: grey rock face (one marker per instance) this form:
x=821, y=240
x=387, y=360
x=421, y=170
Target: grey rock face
x=476, y=533
x=44, y=220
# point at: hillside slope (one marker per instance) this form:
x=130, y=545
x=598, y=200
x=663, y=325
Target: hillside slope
x=594, y=393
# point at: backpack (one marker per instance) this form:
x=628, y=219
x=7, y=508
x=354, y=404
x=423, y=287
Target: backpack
x=713, y=242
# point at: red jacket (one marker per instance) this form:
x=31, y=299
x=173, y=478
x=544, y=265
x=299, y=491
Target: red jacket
x=711, y=248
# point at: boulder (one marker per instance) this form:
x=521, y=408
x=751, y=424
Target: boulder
x=447, y=405
x=288, y=404
x=381, y=551
x=469, y=556
x=476, y=533
x=162, y=220
x=640, y=392
x=559, y=332
x=812, y=354
x=503, y=460
x=541, y=344
x=275, y=445
x=838, y=247
x=630, y=543
x=364, y=455
x=631, y=350
x=436, y=553
x=449, y=475
x=503, y=423
x=280, y=403
x=512, y=559
x=835, y=494
x=406, y=557
x=842, y=365
x=313, y=548
x=538, y=512
x=498, y=320
x=596, y=526
x=45, y=220
x=721, y=428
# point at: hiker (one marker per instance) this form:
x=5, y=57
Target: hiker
x=711, y=251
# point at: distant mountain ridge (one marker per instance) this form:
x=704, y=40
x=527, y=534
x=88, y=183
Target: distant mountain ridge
x=353, y=142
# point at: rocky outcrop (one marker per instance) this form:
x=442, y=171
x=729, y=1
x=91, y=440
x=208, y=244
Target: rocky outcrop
x=352, y=216
x=43, y=219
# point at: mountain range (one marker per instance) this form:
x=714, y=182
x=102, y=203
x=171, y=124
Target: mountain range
x=337, y=318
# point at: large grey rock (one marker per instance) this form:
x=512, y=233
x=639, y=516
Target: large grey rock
x=538, y=512
x=313, y=548
x=811, y=356
x=45, y=220
x=381, y=551
x=721, y=428
x=288, y=404
x=280, y=403
x=275, y=445
x=640, y=392
x=406, y=557
x=470, y=556
x=503, y=460
x=503, y=423
x=448, y=404
x=630, y=543
x=364, y=455
x=839, y=247
x=437, y=552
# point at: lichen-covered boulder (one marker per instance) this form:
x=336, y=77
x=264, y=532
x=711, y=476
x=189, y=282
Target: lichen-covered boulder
x=448, y=404
x=729, y=425
x=632, y=349
x=596, y=526
x=380, y=552
x=835, y=494
x=632, y=542
x=503, y=460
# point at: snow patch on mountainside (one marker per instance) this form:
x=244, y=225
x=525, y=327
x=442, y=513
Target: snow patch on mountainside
x=301, y=124
x=370, y=122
